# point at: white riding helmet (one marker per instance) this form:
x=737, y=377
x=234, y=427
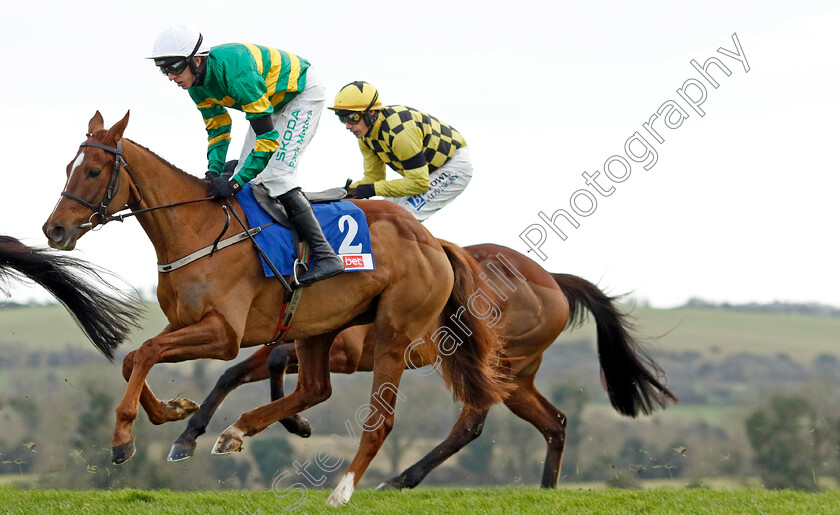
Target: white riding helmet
x=179, y=41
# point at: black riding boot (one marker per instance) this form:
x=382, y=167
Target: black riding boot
x=323, y=262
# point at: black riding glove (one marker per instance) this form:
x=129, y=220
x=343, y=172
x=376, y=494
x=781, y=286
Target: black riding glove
x=221, y=189
x=210, y=175
x=361, y=191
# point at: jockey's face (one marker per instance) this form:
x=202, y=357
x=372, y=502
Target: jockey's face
x=359, y=129
x=185, y=79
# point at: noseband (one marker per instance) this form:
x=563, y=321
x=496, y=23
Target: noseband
x=110, y=191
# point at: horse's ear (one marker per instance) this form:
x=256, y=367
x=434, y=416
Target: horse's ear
x=96, y=123
x=116, y=131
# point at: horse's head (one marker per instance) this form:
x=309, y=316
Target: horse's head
x=94, y=186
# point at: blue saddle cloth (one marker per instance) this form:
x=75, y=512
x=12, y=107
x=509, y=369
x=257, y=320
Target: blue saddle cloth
x=344, y=225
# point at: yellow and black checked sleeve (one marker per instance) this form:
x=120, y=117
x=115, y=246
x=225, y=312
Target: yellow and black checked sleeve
x=413, y=144
x=374, y=167
x=407, y=149
x=413, y=182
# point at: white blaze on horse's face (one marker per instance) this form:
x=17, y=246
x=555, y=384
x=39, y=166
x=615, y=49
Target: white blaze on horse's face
x=73, y=167
x=76, y=164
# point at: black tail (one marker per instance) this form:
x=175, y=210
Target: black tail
x=629, y=373
x=106, y=317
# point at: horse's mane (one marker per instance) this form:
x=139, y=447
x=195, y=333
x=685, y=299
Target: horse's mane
x=174, y=168
x=162, y=160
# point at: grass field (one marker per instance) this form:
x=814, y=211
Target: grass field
x=427, y=500
x=714, y=332
x=709, y=332
x=51, y=327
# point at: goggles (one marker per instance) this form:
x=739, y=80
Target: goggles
x=349, y=116
x=173, y=66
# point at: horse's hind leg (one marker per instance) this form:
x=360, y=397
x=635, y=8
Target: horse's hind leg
x=249, y=370
x=466, y=429
x=528, y=404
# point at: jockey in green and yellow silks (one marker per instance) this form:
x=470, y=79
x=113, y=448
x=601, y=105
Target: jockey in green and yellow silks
x=282, y=100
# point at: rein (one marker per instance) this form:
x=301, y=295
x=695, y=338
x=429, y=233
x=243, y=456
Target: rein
x=111, y=191
x=291, y=297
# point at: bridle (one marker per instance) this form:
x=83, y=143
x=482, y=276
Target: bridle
x=111, y=191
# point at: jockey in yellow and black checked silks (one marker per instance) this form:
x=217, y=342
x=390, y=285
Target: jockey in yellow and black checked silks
x=412, y=143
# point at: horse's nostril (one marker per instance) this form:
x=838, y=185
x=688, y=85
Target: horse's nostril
x=56, y=233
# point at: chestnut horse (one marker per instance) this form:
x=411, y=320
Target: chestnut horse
x=106, y=316
x=533, y=314
x=215, y=306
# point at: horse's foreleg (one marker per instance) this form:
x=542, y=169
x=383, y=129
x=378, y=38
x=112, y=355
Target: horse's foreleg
x=278, y=363
x=249, y=370
x=389, y=366
x=158, y=411
x=345, y=356
x=313, y=387
x=467, y=428
x=528, y=404
x=212, y=337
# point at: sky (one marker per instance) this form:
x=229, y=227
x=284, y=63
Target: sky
x=739, y=205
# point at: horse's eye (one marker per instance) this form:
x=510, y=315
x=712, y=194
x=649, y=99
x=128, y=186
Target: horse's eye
x=94, y=172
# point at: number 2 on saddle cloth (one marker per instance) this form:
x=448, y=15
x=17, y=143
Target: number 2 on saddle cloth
x=344, y=225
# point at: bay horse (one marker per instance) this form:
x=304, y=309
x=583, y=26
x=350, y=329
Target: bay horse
x=215, y=306
x=534, y=312
x=103, y=312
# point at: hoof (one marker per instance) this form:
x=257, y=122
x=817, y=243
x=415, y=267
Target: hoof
x=297, y=425
x=181, y=408
x=387, y=485
x=122, y=453
x=181, y=451
x=343, y=492
x=229, y=441
x=395, y=483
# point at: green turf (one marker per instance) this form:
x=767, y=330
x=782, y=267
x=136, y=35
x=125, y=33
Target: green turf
x=718, y=332
x=427, y=500
x=52, y=328
x=710, y=332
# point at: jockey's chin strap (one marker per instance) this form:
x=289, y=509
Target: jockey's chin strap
x=111, y=191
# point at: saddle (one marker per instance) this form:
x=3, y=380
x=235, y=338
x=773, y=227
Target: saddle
x=273, y=207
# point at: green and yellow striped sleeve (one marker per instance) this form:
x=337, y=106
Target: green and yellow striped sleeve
x=253, y=95
x=217, y=122
x=256, y=161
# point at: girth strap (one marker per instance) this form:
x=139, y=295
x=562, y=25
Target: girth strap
x=290, y=304
x=198, y=254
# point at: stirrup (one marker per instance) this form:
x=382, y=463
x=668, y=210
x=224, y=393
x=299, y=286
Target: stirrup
x=295, y=283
